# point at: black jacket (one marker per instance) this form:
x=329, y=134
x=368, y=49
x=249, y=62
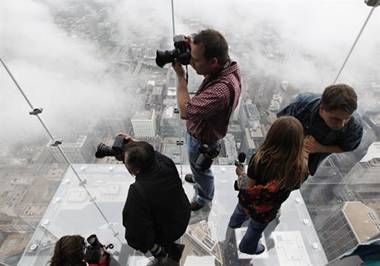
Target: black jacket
x=157, y=209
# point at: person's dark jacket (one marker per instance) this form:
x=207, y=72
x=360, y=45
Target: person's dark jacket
x=157, y=210
x=306, y=109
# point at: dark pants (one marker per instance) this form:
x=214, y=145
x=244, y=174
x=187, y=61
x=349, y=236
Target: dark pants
x=249, y=242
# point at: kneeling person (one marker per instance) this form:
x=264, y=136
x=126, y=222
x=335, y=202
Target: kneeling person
x=157, y=210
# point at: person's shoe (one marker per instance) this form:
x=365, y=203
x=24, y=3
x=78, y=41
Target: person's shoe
x=195, y=206
x=260, y=249
x=190, y=178
x=175, y=252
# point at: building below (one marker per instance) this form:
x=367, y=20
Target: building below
x=208, y=242
x=81, y=150
x=144, y=124
x=355, y=224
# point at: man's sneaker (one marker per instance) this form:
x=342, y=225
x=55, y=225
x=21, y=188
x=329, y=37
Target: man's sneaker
x=195, y=206
x=190, y=178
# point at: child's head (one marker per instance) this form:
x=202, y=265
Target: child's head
x=285, y=136
x=69, y=250
x=281, y=155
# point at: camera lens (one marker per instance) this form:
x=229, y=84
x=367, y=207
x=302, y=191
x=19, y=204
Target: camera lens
x=103, y=150
x=164, y=57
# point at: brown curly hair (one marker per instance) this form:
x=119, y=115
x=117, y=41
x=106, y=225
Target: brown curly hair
x=69, y=251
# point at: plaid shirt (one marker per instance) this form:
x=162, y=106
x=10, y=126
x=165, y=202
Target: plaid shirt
x=209, y=110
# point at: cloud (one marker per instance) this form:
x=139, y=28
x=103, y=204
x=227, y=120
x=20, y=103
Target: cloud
x=63, y=74
x=314, y=36
x=67, y=76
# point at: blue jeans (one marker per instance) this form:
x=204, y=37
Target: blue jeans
x=249, y=242
x=204, y=179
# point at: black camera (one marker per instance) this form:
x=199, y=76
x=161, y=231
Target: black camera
x=117, y=149
x=181, y=52
x=95, y=250
x=206, y=155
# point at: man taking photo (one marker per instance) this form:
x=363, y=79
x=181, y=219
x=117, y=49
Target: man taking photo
x=208, y=112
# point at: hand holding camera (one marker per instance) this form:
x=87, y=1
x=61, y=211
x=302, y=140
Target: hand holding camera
x=241, y=181
x=180, y=54
x=117, y=149
x=96, y=251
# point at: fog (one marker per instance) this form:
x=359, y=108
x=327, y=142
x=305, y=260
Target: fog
x=60, y=73
x=67, y=75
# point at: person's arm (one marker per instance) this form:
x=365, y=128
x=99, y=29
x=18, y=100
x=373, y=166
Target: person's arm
x=128, y=138
x=244, y=179
x=183, y=95
x=244, y=197
x=138, y=222
x=289, y=109
x=311, y=145
x=297, y=105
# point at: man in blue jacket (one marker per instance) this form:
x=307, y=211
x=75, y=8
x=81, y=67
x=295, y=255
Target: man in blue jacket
x=330, y=122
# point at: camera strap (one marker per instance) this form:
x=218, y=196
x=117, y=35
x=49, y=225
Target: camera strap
x=187, y=75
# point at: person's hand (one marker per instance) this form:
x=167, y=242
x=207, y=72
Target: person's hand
x=306, y=158
x=127, y=137
x=306, y=153
x=178, y=69
x=311, y=145
x=239, y=170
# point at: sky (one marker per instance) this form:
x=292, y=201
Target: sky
x=66, y=76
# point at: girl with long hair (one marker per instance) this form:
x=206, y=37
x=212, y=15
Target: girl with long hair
x=277, y=168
